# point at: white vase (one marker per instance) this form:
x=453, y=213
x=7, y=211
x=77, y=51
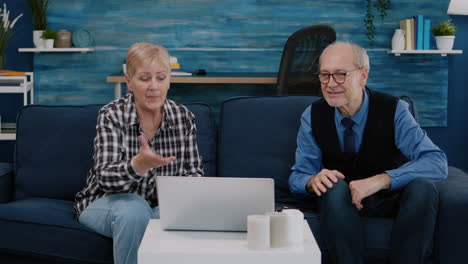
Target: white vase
x=398, y=40
x=49, y=43
x=124, y=68
x=37, y=38
x=445, y=42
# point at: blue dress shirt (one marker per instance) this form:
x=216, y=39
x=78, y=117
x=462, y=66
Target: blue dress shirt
x=426, y=159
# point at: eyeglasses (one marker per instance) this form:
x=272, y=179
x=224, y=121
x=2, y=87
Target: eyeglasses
x=339, y=77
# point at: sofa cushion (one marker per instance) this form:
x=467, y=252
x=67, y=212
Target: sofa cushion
x=452, y=234
x=6, y=182
x=258, y=138
x=5, y=167
x=48, y=228
x=54, y=148
x=206, y=135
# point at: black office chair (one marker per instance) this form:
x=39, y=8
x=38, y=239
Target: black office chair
x=299, y=62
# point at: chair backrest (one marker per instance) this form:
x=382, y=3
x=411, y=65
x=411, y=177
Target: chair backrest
x=299, y=62
x=54, y=148
x=257, y=138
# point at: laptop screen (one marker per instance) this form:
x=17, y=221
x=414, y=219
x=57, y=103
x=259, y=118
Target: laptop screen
x=212, y=203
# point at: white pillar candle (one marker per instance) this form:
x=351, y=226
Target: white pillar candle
x=279, y=229
x=258, y=232
x=296, y=227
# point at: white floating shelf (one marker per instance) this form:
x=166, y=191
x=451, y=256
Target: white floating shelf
x=441, y=52
x=37, y=50
x=7, y=136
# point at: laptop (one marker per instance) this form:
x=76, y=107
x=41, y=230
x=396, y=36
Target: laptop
x=212, y=203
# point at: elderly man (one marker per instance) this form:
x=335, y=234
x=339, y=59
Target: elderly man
x=361, y=153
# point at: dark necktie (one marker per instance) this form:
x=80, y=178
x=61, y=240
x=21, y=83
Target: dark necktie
x=348, y=138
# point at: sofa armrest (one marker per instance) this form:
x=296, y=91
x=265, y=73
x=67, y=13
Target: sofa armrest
x=452, y=229
x=6, y=182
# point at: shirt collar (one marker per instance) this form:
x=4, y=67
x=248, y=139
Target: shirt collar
x=358, y=117
x=132, y=116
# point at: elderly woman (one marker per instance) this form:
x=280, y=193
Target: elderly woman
x=138, y=137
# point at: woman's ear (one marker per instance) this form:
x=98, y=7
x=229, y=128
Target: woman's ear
x=127, y=81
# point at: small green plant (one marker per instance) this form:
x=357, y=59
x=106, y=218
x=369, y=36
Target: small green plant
x=49, y=34
x=39, y=13
x=444, y=28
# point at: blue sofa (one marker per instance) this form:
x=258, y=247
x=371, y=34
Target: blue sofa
x=256, y=137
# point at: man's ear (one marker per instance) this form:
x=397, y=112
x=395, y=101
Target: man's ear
x=364, y=75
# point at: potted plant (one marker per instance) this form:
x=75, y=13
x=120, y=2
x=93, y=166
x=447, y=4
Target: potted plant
x=39, y=17
x=49, y=37
x=444, y=34
x=124, y=66
x=6, y=32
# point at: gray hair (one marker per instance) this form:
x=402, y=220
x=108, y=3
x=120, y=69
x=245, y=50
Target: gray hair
x=361, y=59
x=146, y=53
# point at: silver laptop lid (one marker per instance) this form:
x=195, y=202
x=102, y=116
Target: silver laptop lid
x=212, y=203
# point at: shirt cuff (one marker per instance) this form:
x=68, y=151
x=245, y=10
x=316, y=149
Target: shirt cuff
x=395, y=180
x=300, y=185
x=132, y=172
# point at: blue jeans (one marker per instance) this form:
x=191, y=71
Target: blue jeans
x=122, y=217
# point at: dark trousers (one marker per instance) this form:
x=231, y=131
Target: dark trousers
x=414, y=208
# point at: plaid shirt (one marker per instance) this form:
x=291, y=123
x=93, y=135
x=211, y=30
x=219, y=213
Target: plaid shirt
x=116, y=143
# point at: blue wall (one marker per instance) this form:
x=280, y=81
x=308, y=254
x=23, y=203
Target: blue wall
x=232, y=36
x=243, y=35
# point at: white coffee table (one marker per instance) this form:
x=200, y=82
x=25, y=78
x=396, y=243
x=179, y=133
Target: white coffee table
x=193, y=247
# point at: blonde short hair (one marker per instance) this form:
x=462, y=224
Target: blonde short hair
x=146, y=53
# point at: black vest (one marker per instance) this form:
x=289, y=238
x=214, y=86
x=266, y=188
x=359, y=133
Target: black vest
x=377, y=152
